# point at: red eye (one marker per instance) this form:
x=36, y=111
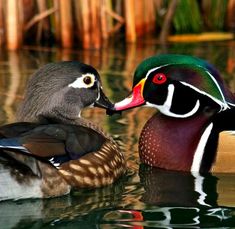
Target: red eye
x=159, y=78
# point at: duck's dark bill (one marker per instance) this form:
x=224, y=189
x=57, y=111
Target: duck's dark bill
x=103, y=102
x=134, y=100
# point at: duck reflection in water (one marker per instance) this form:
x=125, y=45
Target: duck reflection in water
x=173, y=188
x=175, y=199
x=160, y=198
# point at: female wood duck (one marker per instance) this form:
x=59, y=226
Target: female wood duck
x=196, y=110
x=52, y=149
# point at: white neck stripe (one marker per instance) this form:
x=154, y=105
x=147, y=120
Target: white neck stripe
x=197, y=159
x=168, y=102
x=165, y=108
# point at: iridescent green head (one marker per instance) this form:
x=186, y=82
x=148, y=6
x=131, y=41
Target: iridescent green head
x=177, y=85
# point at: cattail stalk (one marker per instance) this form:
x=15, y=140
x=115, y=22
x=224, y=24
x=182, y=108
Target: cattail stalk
x=14, y=30
x=168, y=20
x=139, y=18
x=85, y=31
x=103, y=16
x=43, y=25
x=55, y=19
x=230, y=15
x=95, y=24
x=130, y=20
x=2, y=29
x=150, y=16
x=66, y=23
x=109, y=7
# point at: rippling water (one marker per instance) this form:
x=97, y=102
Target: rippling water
x=146, y=197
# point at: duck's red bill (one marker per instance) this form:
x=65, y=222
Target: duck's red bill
x=134, y=100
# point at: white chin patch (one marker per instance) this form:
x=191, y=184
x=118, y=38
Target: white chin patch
x=165, y=108
x=80, y=82
x=166, y=111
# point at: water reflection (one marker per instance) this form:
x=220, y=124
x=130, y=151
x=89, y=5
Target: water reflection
x=177, y=188
x=172, y=217
x=174, y=199
x=123, y=204
x=146, y=196
x=159, y=199
x=186, y=189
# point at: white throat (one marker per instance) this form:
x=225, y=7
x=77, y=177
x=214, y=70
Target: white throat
x=165, y=108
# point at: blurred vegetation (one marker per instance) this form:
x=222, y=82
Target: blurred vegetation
x=92, y=23
x=192, y=16
x=188, y=18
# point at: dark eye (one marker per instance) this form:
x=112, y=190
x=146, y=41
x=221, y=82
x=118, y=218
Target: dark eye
x=87, y=80
x=159, y=78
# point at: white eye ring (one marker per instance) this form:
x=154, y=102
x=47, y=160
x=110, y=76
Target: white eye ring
x=85, y=81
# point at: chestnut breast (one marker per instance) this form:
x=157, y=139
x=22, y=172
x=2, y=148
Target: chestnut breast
x=170, y=143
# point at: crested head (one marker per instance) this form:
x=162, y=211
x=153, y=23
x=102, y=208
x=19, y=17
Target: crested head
x=61, y=89
x=166, y=60
x=190, y=70
x=164, y=81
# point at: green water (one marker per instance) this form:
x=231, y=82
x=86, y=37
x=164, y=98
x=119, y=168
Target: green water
x=146, y=197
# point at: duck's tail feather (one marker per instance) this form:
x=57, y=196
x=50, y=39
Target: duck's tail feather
x=23, y=162
x=17, y=180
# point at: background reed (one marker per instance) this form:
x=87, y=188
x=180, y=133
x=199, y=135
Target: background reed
x=92, y=23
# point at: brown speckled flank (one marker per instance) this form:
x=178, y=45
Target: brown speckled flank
x=95, y=169
x=52, y=184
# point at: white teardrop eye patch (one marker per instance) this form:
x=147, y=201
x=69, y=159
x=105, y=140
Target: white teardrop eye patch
x=85, y=81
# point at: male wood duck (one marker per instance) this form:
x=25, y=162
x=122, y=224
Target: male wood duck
x=194, y=128
x=52, y=149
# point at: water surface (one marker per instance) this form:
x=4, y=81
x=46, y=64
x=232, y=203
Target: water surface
x=146, y=197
